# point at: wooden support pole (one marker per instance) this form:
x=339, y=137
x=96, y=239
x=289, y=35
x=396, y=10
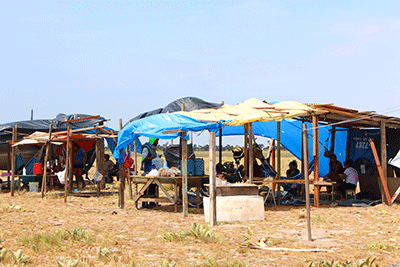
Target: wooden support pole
x=136, y=164
x=31, y=114
x=120, y=124
x=14, y=139
x=98, y=161
x=121, y=199
x=246, y=151
x=184, y=177
x=278, y=159
x=383, y=148
x=71, y=164
x=273, y=154
x=333, y=136
x=386, y=196
x=67, y=163
x=100, y=166
x=251, y=154
x=128, y=176
x=307, y=181
x=46, y=158
x=220, y=145
x=316, y=159
x=212, y=178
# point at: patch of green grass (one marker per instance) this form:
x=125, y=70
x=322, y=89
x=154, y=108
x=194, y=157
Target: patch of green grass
x=381, y=246
x=199, y=232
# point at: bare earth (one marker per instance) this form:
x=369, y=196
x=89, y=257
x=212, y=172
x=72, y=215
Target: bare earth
x=135, y=235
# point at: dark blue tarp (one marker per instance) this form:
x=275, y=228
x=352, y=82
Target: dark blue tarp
x=291, y=139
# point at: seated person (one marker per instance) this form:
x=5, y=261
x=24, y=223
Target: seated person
x=292, y=171
x=350, y=177
x=335, y=170
x=109, y=168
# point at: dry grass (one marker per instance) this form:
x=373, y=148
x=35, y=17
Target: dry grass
x=95, y=232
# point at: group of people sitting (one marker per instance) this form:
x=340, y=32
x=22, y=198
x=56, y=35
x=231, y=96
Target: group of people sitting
x=347, y=177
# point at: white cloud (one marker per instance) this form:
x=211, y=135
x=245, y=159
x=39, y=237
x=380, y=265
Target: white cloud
x=347, y=49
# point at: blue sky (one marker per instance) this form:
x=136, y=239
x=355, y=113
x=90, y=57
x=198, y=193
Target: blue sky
x=121, y=58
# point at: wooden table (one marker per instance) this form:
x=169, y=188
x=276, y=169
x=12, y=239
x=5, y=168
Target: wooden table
x=194, y=181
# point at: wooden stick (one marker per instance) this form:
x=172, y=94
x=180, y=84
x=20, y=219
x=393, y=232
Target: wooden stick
x=67, y=166
x=383, y=148
x=121, y=185
x=128, y=176
x=381, y=174
x=14, y=139
x=220, y=145
x=100, y=166
x=120, y=124
x=290, y=249
x=136, y=164
x=251, y=154
x=46, y=158
x=316, y=159
x=212, y=177
x=82, y=119
x=307, y=186
x=278, y=159
x=173, y=131
x=184, y=177
x=396, y=194
x=97, y=147
x=246, y=150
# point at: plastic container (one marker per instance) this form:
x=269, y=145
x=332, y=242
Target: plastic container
x=158, y=162
x=38, y=168
x=34, y=187
x=199, y=167
x=190, y=167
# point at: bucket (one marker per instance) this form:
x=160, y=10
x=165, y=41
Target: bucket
x=34, y=187
x=38, y=168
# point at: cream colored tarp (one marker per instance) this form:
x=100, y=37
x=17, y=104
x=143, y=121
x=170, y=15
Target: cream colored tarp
x=250, y=110
x=36, y=138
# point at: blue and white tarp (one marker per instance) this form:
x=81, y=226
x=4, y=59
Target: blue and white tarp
x=155, y=125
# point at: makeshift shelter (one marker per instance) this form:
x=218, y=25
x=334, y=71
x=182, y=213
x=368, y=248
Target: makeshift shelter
x=81, y=134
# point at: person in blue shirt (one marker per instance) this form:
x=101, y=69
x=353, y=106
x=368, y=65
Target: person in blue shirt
x=79, y=163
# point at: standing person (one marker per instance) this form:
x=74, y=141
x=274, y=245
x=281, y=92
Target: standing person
x=148, y=154
x=79, y=163
x=350, y=176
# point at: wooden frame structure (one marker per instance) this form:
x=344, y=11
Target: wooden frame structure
x=69, y=137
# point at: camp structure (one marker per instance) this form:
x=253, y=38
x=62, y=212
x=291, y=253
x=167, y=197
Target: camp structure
x=88, y=131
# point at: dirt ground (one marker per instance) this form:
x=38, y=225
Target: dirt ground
x=47, y=230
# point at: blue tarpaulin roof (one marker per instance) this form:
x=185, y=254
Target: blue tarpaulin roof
x=291, y=139
x=155, y=125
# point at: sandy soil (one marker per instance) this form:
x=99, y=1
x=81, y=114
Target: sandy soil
x=135, y=235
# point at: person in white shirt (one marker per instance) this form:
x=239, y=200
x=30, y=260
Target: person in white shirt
x=350, y=177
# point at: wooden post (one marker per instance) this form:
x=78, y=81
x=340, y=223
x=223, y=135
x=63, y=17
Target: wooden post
x=71, y=164
x=307, y=182
x=386, y=196
x=31, y=114
x=98, y=163
x=184, y=177
x=383, y=148
x=100, y=166
x=46, y=158
x=333, y=139
x=220, y=145
x=136, y=165
x=67, y=163
x=316, y=159
x=273, y=155
x=14, y=139
x=246, y=151
x=128, y=176
x=120, y=124
x=251, y=154
x=213, y=175
x=121, y=200
x=278, y=159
